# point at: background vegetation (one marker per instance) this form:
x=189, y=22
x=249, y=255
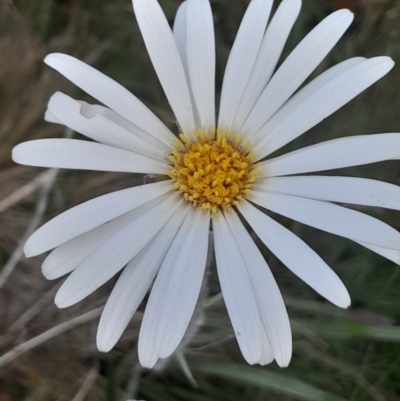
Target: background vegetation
x=50, y=354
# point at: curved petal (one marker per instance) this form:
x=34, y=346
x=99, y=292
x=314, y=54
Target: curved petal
x=201, y=58
x=296, y=255
x=110, y=93
x=134, y=283
x=98, y=127
x=164, y=55
x=91, y=214
x=90, y=110
x=337, y=153
x=50, y=118
x=271, y=48
x=268, y=297
x=115, y=253
x=359, y=191
x=331, y=218
x=301, y=96
x=323, y=102
x=297, y=67
x=242, y=58
x=238, y=292
x=71, y=254
x=84, y=155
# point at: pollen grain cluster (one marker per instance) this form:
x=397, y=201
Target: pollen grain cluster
x=212, y=170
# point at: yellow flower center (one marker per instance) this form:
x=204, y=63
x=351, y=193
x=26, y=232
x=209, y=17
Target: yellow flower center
x=214, y=170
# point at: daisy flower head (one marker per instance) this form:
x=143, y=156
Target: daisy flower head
x=217, y=169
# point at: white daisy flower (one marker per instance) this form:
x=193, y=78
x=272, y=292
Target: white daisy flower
x=216, y=171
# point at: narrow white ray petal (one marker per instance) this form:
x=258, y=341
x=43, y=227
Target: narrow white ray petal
x=180, y=33
x=84, y=155
x=181, y=279
x=242, y=58
x=90, y=110
x=110, y=93
x=272, y=45
x=201, y=58
x=329, y=217
x=323, y=102
x=337, y=153
x=164, y=55
x=237, y=291
x=148, y=351
x=268, y=297
x=72, y=253
x=267, y=356
x=108, y=259
x=48, y=116
x=168, y=308
x=297, y=99
x=91, y=214
x=180, y=36
x=391, y=254
x=296, y=255
x=359, y=191
x=98, y=127
x=297, y=67
x=134, y=283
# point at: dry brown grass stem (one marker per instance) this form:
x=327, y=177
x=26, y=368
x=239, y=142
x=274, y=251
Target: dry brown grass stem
x=17, y=255
x=23, y=192
x=46, y=184
x=48, y=335
x=87, y=384
x=27, y=316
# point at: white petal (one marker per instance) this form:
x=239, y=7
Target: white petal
x=201, y=58
x=164, y=55
x=180, y=33
x=267, y=356
x=242, y=58
x=296, y=255
x=323, y=102
x=391, y=254
x=337, y=153
x=90, y=110
x=180, y=36
x=237, y=291
x=115, y=253
x=331, y=218
x=134, y=283
x=268, y=297
x=84, y=155
x=48, y=116
x=72, y=253
x=297, y=67
x=98, y=127
x=176, y=289
x=91, y=214
x=304, y=93
x=271, y=48
x=359, y=191
x=110, y=93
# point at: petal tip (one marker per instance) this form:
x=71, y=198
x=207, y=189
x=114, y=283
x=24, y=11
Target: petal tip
x=50, y=58
x=61, y=300
x=103, y=345
x=284, y=359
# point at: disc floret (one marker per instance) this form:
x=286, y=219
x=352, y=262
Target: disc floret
x=212, y=170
